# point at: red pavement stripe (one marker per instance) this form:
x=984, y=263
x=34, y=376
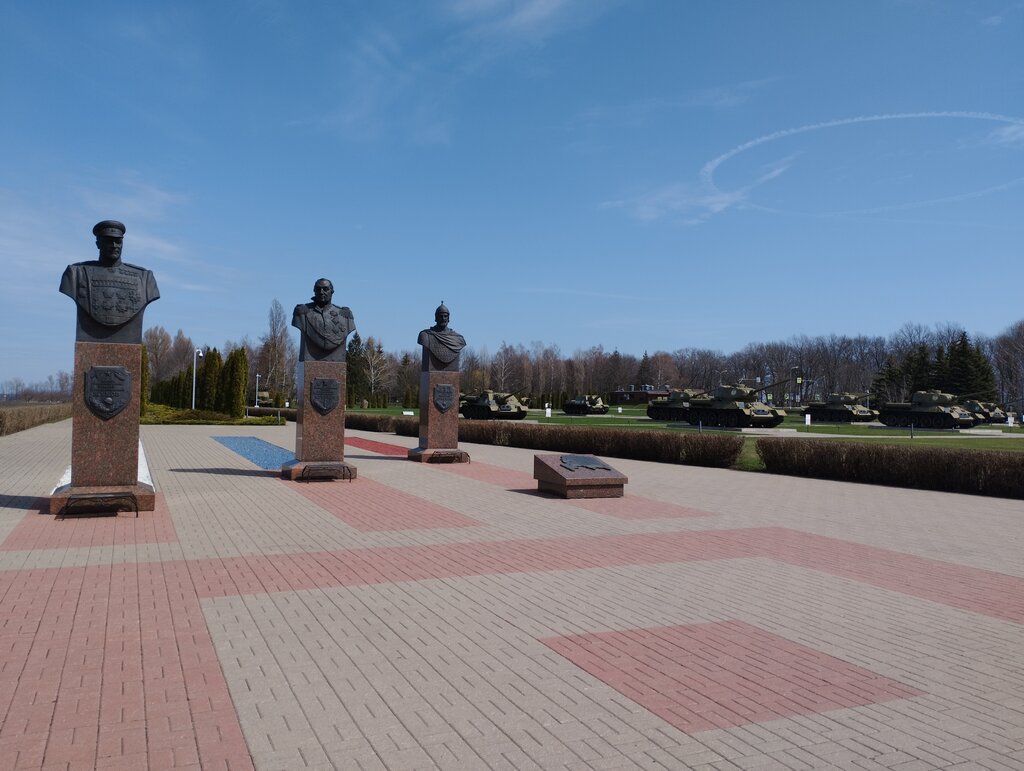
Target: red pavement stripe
x=381, y=448
x=630, y=507
x=637, y=507
x=972, y=589
x=718, y=675
x=42, y=531
x=111, y=665
x=370, y=506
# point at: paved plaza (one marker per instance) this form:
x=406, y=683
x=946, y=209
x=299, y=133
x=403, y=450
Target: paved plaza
x=449, y=616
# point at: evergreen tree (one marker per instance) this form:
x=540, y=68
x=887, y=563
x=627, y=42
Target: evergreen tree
x=357, y=385
x=208, y=380
x=643, y=373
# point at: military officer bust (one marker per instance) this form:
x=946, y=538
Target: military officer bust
x=110, y=294
x=324, y=326
x=441, y=345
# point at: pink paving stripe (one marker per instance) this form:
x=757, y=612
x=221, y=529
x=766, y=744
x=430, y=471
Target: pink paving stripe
x=381, y=448
x=972, y=589
x=718, y=675
x=629, y=507
x=111, y=665
x=492, y=475
x=43, y=531
x=372, y=507
x=637, y=507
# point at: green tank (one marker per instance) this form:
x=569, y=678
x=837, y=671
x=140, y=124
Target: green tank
x=492, y=405
x=987, y=412
x=676, y=406
x=927, y=409
x=734, y=406
x=585, y=405
x=840, y=408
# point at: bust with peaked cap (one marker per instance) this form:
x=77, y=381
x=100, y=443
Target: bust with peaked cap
x=324, y=325
x=110, y=295
x=441, y=345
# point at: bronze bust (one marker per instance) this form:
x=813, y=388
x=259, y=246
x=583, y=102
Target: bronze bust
x=441, y=345
x=324, y=326
x=111, y=295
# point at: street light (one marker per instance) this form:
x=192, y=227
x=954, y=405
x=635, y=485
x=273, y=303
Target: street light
x=256, y=396
x=197, y=354
x=722, y=373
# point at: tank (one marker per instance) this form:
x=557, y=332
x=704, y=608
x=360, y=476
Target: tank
x=492, y=405
x=676, y=406
x=585, y=405
x=734, y=406
x=927, y=409
x=987, y=412
x=840, y=408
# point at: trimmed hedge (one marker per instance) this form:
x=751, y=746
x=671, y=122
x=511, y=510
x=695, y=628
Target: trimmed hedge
x=14, y=419
x=976, y=472
x=287, y=413
x=660, y=446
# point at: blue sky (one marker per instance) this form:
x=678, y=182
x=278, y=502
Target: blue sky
x=644, y=175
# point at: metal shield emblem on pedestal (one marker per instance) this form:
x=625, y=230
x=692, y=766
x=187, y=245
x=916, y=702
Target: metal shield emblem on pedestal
x=107, y=390
x=324, y=393
x=444, y=396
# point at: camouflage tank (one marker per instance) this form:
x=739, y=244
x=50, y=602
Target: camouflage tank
x=734, y=406
x=927, y=409
x=987, y=412
x=676, y=406
x=840, y=408
x=585, y=405
x=492, y=405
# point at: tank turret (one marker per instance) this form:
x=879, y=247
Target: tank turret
x=732, y=406
x=492, y=405
x=927, y=409
x=674, y=407
x=840, y=408
x=585, y=405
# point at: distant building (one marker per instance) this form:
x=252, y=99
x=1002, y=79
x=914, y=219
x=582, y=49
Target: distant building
x=637, y=394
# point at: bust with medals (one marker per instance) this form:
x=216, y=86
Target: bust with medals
x=324, y=326
x=441, y=345
x=111, y=295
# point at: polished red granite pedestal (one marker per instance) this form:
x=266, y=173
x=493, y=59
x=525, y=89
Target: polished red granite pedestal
x=439, y=420
x=320, y=423
x=577, y=476
x=105, y=450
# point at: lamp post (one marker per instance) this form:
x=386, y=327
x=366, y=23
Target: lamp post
x=256, y=395
x=197, y=355
x=721, y=373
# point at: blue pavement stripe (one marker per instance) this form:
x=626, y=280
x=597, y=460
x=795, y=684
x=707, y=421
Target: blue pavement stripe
x=263, y=454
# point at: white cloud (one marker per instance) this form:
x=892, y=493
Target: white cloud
x=1011, y=135
x=992, y=21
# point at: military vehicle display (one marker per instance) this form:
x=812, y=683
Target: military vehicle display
x=492, y=405
x=840, y=408
x=730, y=406
x=927, y=409
x=585, y=405
x=735, y=406
x=675, y=407
x=987, y=412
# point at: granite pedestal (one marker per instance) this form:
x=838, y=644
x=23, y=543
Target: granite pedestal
x=577, y=476
x=439, y=420
x=105, y=451
x=320, y=423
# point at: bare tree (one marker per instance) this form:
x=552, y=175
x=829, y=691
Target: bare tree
x=380, y=370
x=158, y=346
x=277, y=354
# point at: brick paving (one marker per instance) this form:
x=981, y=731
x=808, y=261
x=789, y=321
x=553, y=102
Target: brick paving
x=451, y=617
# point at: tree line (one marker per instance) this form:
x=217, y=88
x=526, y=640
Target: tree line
x=800, y=369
